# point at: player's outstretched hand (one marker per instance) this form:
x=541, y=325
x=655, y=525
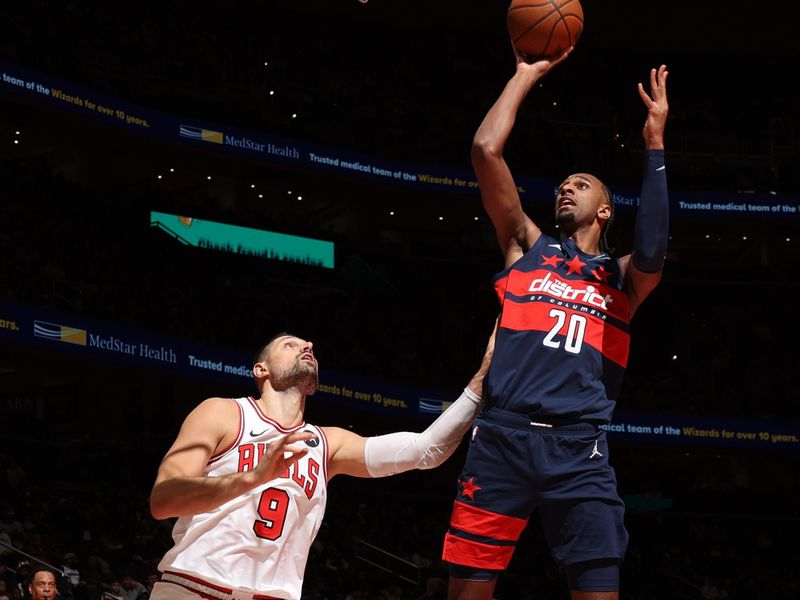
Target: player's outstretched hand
x=282, y=454
x=657, y=108
x=540, y=65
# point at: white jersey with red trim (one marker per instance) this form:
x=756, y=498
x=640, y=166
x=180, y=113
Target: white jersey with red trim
x=258, y=541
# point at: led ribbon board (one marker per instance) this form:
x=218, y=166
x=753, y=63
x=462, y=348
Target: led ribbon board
x=279, y=151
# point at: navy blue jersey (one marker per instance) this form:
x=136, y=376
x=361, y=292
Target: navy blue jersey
x=562, y=345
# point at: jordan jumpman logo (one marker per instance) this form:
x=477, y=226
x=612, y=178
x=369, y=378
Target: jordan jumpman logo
x=595, y=451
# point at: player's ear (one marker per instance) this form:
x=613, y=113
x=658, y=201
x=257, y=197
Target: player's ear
x=260, y=370
x=604, y=212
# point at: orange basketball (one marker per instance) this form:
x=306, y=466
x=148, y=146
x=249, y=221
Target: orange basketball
x=544, y=28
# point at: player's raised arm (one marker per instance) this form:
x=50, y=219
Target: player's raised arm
x=651, y=230
x=180, y=487
x=516, y=232
x=393, y=453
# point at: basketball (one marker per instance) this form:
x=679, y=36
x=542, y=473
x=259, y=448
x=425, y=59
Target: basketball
x=544, y=28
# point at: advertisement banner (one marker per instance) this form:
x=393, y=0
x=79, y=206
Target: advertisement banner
x=22, y=324
x=301, y=155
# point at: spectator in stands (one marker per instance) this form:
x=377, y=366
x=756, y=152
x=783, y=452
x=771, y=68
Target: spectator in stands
x=69, y=566
x=132, y=589
x=43, y=585
x=113, y=591
x=150, y=582
x=23, y=575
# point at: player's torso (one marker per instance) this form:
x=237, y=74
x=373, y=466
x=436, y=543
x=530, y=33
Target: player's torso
x=563, y=341
x=259, y=540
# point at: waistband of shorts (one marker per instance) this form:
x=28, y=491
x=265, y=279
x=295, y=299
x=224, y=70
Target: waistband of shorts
x=545, y=425
x=211, y=591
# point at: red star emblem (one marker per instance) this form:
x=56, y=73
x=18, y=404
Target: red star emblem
x=468, y=488
x=551, y=261
x=601, y=274
x=575, y=265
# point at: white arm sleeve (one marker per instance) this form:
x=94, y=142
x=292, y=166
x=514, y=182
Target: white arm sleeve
x=402, y=451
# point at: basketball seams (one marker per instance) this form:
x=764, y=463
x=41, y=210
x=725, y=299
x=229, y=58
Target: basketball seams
x=534, y=25
x=572, y=41
x=562, y=13
x=552, y=3
x=542, y=5
x=556, y=10
x=550, y=36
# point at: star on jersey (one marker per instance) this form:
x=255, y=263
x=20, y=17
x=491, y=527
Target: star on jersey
x=468, y=488
x=551, y=261
x=575, y=265
x=601, y=274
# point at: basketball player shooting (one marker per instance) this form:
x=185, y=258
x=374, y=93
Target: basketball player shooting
x=247, y=478
x=560, y=354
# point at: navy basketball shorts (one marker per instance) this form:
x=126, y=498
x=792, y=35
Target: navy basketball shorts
x=514, y=466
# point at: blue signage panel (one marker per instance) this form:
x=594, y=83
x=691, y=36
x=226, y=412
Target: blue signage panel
x=33, y=326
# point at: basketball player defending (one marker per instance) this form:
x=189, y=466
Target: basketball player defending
x=247, y=478
x=560, y=353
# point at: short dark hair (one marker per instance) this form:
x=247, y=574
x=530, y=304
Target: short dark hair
x=57, y=575
x=262, y=352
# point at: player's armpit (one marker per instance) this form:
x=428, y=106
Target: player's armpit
x=638, y=284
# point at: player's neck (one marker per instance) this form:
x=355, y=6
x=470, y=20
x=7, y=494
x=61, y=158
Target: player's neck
x=286, y=407
x=587, y=239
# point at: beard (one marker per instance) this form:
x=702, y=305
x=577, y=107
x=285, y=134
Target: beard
x=301, y=375
x=565, y=219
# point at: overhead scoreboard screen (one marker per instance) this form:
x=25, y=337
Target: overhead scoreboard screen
x=245, y=240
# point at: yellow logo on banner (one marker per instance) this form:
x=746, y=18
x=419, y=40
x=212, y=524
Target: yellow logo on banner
x=212, y=136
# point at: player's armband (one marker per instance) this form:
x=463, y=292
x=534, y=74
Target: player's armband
x=651, y=231
x=402, y=451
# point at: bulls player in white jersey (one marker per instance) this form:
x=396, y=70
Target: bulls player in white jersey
x=247, y=478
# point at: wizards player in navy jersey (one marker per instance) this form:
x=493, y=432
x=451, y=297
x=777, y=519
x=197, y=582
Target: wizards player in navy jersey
x=560, y=354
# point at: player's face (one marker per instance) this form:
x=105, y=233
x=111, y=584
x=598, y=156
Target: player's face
x=578, y=200
x=291, y=363
x=43, y=586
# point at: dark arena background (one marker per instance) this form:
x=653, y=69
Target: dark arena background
x=182, y=180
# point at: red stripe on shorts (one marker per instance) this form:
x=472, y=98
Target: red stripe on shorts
x=475, y=554
x=486, y=523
